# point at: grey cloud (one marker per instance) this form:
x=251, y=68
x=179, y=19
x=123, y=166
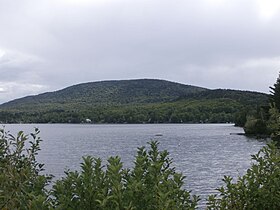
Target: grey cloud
x=207, y=43
x=19, y=89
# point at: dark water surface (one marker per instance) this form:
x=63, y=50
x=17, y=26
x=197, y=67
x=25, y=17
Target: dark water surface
x=202, y=152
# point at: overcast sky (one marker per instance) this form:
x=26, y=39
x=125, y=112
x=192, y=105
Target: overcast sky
x=47, y=45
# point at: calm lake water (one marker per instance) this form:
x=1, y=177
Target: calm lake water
x=204, y=153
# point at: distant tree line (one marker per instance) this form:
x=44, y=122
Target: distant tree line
x=219, y=110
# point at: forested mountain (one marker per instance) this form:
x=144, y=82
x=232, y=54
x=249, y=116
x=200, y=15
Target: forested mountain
x=112, y=92
x=131, y=101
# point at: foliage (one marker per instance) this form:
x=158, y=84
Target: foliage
x=259, y=188
x=255, y=126
x=240, y=118
x=21, y=185
x=150, y=184
x=275, y=93
x=274, y=124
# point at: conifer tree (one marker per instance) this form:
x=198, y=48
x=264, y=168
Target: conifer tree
x=275, y=93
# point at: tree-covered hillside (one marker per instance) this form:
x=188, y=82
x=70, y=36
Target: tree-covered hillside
x=111, y=92
x=132, y=101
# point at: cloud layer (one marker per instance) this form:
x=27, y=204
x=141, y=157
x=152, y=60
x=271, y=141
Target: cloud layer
x=49, y=44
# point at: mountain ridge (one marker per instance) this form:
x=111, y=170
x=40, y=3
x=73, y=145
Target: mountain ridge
x=108, y=85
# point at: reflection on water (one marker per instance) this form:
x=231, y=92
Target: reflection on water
x=204, y=153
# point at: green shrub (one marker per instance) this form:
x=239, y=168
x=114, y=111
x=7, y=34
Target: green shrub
x=21, y=185
x=150, y=184
x=274, y=124
x=255, y=126
x=259, y=188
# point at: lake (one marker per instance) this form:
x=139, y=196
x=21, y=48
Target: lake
x=204, y=153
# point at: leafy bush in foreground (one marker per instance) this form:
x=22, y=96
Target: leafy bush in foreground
x=150, y=184
x=21, y=186
x=259, y=188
